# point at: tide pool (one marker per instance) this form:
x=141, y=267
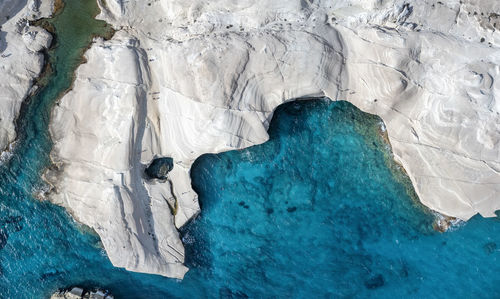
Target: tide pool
x=319, y=211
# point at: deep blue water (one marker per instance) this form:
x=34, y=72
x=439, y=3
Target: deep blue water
x=318, y=211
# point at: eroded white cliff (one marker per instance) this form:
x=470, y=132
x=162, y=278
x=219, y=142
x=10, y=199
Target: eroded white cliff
x=20, y=58
x=102, y=120
x=181, y=79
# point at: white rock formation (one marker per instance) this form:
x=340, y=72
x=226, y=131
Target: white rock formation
x=102, y=120
x=79, y=293
x=20, y=58
x=184, y=78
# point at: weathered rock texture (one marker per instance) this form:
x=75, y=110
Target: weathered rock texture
x=183, y=78
x=20, y=58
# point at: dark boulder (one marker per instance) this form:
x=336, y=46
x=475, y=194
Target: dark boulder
x=159, y=168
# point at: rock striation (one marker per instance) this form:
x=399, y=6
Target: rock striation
x=21, y=60
x=183, y=79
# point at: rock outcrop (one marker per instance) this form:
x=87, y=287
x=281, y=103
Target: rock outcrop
x=79, y=293
x=183, y=79
x=20, y=58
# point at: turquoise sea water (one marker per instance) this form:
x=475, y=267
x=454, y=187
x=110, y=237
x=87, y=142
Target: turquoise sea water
x=318, y=211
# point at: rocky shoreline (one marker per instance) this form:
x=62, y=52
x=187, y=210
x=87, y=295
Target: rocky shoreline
x=179, y=80
x=21, y=58
x=81, y=293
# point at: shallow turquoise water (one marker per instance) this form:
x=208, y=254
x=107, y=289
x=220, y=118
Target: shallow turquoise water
x=317, y=211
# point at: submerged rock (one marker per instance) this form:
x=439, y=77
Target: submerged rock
x=375, y=282
x=3, y=238
x=490, y=247
x=227, y=293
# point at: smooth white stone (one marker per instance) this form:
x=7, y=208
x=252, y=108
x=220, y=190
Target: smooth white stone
x=181, y=79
